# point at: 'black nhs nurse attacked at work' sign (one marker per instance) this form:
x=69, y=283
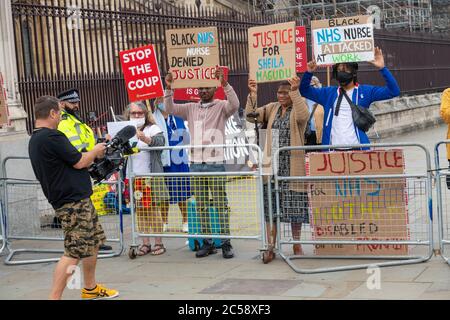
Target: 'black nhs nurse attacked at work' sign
x=343, y=40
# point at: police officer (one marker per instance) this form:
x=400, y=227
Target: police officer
x=74, y=128
x=79, y=133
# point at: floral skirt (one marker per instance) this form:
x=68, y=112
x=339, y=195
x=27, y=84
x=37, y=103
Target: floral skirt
x=294, y=206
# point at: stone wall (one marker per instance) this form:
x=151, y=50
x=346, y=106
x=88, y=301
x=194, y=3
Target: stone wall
x=397, y=116
x=406, y=114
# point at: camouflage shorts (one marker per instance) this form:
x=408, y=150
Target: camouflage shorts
x=82, y=230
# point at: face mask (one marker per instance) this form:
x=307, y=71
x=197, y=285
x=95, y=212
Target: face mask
x=344, y=78
x=138, y=122
x=161, y=106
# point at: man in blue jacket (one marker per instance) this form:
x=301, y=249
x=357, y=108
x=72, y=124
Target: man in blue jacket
x=338, y=126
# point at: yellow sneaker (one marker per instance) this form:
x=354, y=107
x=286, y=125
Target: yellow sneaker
x=99, y=293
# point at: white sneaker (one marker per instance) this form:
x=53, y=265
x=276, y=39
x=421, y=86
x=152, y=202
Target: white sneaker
x=165, y=227
x=185, y=228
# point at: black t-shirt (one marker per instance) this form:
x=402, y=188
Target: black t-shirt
x=52, y=158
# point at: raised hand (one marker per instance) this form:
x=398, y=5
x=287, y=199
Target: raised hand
x=379, y=59
x=169, y=80
x=252, y=86
x=295, y=83
x=312, y=66
x=221, y=76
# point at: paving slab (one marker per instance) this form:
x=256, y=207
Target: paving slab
x=306, y=290
x=251, y=287
x=390, y=290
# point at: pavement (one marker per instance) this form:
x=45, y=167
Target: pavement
x=179, y=275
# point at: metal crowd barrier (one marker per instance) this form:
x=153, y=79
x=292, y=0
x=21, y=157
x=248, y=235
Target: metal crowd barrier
x=403, y=196
x=443, y=201
x=231, y=211
x=28, y=216
x=2, y=229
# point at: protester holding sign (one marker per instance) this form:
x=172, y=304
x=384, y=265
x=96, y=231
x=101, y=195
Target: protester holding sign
x=339, y=126
x=206, y=121
x=151, y=192
x=286, y=121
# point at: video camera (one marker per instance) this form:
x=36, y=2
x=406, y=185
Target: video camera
x=114, y=158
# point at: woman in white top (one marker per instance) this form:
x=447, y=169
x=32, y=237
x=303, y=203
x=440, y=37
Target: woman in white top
x=149, y=192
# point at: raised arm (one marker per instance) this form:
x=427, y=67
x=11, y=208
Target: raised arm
x=180, y=110
x=391, y=90
x=299, y=105
x=232, y=105
x=251, y=105
x=315, y=94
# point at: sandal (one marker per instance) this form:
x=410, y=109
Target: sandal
x=142, y=252
x=298, y=250
x=268, y=255
x=159, y=249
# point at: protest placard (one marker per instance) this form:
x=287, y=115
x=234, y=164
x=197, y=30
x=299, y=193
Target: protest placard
x=358, y=209
x=301, y=57
x=115, y=127
x=191, y=94
x=141, y=73
x=272, y=52
x=193, y=55
x=237, y=159
x=343, y=40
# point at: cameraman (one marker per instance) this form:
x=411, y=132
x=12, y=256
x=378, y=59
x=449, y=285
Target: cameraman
x=79, y=133
x=62, y=172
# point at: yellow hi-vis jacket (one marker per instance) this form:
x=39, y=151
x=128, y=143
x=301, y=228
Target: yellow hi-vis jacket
x=79, y=134
x=445, y=114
